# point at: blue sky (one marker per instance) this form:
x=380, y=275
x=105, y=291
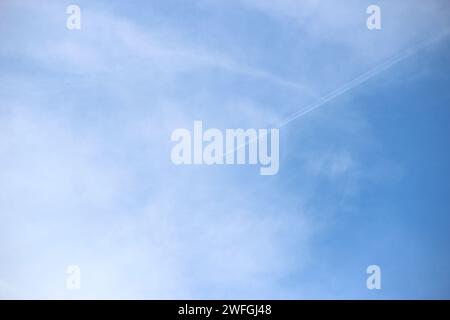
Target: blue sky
x=85, y=171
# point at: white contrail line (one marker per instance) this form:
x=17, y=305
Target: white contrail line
x=354, y=83
x=363, y=78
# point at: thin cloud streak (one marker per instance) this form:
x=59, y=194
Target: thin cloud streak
x=363, y=78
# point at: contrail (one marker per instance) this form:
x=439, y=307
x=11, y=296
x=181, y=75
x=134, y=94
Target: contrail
x=355, y=83
x=363, y=78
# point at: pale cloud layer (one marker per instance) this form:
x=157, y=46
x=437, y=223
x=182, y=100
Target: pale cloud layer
x=86, y=117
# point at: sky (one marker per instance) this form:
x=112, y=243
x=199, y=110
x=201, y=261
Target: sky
x=86, y=177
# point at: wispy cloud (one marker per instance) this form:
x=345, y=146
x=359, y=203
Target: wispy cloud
x=86, y=176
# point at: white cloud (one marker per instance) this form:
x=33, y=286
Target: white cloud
x=86, y=176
